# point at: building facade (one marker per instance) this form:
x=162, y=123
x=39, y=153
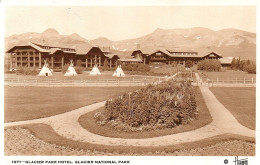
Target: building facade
x=35, y=55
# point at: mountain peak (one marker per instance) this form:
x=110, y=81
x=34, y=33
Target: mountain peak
x=50, y=31
x=75, y=35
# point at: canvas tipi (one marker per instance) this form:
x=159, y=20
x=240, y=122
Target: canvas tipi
x=71, y=71
x=95, y=71
x=45, y=71
x=119, y=72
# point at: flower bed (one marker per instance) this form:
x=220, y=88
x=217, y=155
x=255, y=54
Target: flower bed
x=165, y=105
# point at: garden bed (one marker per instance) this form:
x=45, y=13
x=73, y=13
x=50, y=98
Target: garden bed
x=203, y=118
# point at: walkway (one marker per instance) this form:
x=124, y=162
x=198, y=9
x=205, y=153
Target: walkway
x=67, y=125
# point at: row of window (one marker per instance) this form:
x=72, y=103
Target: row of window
x=25, y=53
x=183, y=53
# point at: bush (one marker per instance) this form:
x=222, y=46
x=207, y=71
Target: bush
x=188, y=64
x=251, y=68
x=79, y=63
x=164, y=105
x=27, y=71
x=209, y=65
x=65, y=68
x=79, y=69
x=136, y=67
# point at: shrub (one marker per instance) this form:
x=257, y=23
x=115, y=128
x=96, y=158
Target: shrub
x=251, y=68
x=188, y=64
x=65, y=68
x=27, y=71
x=209, y=65
x=136, y=67
x=79, y=63
x=164, y=105
x=79, y=69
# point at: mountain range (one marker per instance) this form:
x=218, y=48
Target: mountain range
x=227, y=42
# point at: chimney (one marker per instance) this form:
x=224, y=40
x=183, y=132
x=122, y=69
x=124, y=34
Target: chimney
x=43, y=41
x=137, y=46
x=109, y=49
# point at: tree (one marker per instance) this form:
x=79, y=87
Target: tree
x=251, y=68
x=209, y=65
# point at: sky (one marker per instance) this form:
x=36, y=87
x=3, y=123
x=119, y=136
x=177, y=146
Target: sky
x=125, y=22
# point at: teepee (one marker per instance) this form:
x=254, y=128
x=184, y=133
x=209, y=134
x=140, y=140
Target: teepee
x=95, y=71
x=71, y=71
x=119, y=72
x=45, y=71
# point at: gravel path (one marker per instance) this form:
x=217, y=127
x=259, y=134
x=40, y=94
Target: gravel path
x=67, y=125
x=20, y=141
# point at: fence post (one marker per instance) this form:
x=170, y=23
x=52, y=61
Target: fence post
x=252, y=80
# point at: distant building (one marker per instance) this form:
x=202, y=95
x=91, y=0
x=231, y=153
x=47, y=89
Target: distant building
x=226, y=62
x=34, y=55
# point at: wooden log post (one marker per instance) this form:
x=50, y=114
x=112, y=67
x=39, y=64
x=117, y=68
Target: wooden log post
x=28, y=59
x=21, y=60
x=16, y=62
x=99, y=60
x=52, y=62
x=91, y=61
x=62, y=61
x=33, y=59
x=40, y=60
x=11, y=60
x=86, y=62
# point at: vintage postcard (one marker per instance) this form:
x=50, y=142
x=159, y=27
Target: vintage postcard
x=105, y=83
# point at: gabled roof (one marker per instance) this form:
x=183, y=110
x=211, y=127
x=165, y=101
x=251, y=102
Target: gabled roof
x=82, y=49
x=122, y=54
x=111, y=55
x=53, y=50
x=29, y=45
x=226, y=60
x=204, y=54
x=165, y=51
x=136, y=51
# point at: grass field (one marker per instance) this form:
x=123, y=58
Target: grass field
x=84, y=76
x=240, y=102
x=88, y=122
x=229, y=75
x=24, y=103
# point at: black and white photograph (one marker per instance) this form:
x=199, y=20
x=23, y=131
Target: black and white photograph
x=157, y=81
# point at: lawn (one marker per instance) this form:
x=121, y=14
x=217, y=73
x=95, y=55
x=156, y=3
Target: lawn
x=88, y=122
x=241, y=102
x=229, y=75
x=84, y=76
x=24, y=103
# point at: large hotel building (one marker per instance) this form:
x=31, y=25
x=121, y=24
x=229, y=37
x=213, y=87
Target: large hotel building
x=34, y=55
